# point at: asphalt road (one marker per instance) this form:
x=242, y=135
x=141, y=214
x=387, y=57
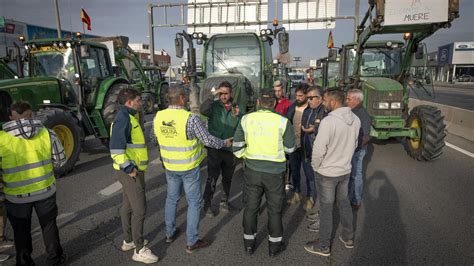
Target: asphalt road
x=462, y=97
x=412, y=213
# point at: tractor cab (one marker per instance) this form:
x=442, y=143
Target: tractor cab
x=79, y=66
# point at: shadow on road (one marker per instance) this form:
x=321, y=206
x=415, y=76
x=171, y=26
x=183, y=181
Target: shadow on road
x=382, y=238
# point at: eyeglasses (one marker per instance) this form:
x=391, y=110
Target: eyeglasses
x=312, y=97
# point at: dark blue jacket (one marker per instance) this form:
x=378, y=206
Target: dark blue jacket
x=311, y=117
x=122, y=132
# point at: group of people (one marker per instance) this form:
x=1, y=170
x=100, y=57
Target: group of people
x=324, y=132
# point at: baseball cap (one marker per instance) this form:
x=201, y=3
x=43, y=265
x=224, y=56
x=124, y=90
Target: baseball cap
x=267, y=93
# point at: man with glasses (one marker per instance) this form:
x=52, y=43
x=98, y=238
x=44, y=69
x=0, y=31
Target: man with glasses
x=312, y=117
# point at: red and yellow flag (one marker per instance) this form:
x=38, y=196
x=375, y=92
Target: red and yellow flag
x=330, y=40
x=86, y=19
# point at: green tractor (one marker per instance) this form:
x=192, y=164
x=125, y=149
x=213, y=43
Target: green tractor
x=329, y=70
x=155, y=98
x=243, y=58
x=381, y=70
x=72, y=88
x=148, y=80
x=6, y=69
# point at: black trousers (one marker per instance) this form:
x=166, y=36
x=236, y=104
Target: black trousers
x=256, y=184
x=219, y=161
x=19, y=216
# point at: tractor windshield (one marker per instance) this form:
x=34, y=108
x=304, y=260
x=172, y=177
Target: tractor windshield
x=235, y=54
x=53, y=62
x=376, y=62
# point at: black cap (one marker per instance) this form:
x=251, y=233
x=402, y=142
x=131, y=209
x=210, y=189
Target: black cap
x=267, y=93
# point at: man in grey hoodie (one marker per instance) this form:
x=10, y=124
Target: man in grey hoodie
x=333, y=149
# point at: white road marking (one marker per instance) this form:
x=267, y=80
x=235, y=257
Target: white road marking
x=235, y=196
x=470, y=154
x=115, y=187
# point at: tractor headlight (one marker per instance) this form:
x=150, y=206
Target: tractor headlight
x=60, y=44
x=268, y=32
x=200, y=35
x=68, y=44
x=395, y=105
x=381, y=105
x=264, y=38
x=262, y=32
x=195, y=35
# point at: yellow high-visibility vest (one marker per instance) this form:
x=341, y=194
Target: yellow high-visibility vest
x=136, y=152
x=177, y=152
x=263, y=131
x=26, y=165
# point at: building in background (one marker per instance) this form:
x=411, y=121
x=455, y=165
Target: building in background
x=162, y=58
x=456, y=60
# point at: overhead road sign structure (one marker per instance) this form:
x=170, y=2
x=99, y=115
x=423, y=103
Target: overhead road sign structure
x=220, y=16
x=309, y=14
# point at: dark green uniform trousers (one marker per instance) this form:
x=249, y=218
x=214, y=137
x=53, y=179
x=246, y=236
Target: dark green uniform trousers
x=256, y=184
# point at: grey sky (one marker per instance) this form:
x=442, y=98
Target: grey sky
x=129, y=18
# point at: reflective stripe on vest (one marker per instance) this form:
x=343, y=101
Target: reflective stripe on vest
x=135, y=153
x=264, y=136
x=26, y=165
x=177, y=152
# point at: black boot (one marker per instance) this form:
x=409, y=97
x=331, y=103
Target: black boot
x=249, y=246
x=275, y=248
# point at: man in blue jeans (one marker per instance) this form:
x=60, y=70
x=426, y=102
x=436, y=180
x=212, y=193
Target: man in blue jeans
x=181, y=136
x=354, y=100
x=333, y=149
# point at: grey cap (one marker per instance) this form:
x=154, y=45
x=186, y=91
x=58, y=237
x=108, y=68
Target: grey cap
x=267, y=93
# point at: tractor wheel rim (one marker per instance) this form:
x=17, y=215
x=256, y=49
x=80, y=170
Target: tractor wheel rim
x=66, y=138
x=415, y=143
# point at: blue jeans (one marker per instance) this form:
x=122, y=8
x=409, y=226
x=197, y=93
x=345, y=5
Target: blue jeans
x=297, y=159
x=356, y=183
x=191, y=181
x=331, y=189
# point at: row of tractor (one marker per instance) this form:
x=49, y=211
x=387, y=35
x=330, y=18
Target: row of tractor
x=73, y=86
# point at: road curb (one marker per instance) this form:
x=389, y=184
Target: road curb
x=459, y=122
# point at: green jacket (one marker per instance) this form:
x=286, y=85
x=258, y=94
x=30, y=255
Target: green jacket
x=221, y=123
x=262, y=165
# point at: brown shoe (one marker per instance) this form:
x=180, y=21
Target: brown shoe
x=296, y=198
x=309, y=204
x=199, y=244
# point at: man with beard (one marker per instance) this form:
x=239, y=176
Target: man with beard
x=333, y=149
x=295, y=115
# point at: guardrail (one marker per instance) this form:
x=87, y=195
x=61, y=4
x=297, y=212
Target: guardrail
x=459, y=122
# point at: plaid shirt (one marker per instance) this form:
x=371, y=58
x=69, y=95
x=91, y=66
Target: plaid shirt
x=194, y=129
x=28, y=128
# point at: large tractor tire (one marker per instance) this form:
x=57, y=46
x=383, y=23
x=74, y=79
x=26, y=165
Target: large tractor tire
x=67, y=128
x=111, y=104
x=163, y=97
x=429, y=121
x=148, y=102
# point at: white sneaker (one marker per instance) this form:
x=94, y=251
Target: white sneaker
x=126, y=246
x=4, y=257
x=144, y=255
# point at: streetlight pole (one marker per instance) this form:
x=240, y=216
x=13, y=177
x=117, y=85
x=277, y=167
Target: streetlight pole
x=58, y=20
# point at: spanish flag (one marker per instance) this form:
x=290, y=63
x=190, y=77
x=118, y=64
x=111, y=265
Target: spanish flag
x=86, y=19
x=330, y=40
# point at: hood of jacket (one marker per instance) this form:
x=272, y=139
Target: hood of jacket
x=343, y=113
x=23, y=128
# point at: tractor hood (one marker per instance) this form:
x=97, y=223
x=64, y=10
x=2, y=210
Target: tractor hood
x=37, y=90
x=382, y=84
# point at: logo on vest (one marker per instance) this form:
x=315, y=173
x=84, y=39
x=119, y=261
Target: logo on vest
x=168, y=129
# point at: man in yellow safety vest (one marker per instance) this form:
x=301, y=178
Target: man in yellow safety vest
x=181, y=137
x=262, y=139
x=130, y=160
x=28, y=152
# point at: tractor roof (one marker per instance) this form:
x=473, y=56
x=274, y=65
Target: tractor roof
x=376, y=43
x=51, y=41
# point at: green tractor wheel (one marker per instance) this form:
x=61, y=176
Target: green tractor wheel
x=163, y=93
x=428, y=120
x=148, y=102
x=66, y=126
